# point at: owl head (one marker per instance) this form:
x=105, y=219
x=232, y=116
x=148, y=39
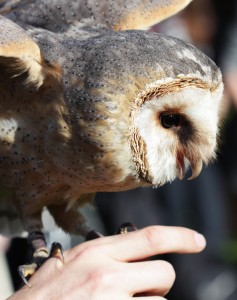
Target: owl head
x=174, y=119
x=174, y=128
x=164, y=96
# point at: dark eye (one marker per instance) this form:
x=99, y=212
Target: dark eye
x=170, y=120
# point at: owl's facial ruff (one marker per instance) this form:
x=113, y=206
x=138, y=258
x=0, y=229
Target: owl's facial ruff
x=175, y=128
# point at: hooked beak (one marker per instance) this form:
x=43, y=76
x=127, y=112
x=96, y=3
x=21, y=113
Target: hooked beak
x=180, y=166
x=196, y=166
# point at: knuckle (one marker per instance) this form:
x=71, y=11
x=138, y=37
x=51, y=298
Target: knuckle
x=151, y=235
x=100, y=279
x=88, y=252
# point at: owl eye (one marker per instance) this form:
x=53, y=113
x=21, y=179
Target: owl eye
x=170, y=120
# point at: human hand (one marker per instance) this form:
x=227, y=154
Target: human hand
x=110, y=267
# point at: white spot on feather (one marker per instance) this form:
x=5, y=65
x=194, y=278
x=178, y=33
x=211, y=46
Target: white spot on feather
x=8, y=129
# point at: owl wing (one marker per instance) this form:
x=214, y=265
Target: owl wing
x=14, y=42
x=20, y=55
x=58, y=15
x=136, y=14
x=20, y=60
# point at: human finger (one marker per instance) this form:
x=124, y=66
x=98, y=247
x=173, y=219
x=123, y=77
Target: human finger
x=142, y=244
x=155, y=240
x=150, y=277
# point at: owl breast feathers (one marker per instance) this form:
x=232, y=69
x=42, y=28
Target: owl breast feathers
x=86, y=109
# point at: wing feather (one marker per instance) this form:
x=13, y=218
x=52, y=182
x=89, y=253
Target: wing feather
x=58, y=15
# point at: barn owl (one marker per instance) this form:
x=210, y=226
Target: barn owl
x=89, y=103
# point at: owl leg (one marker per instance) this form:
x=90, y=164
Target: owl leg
x=41, y=253
x=72, y=221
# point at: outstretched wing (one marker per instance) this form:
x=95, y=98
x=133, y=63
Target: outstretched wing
x=57, y=15
x=137, y=14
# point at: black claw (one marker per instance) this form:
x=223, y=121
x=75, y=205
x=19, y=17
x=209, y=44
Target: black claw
x=25, y=281
x=25, y=271
x=93, y=235
x=126, y=227
x=39, y=258
x=57, y=249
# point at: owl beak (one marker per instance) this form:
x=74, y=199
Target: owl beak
x=196, y=169
x=180, y=166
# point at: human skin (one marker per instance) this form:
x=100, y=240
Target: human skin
x=111, y=267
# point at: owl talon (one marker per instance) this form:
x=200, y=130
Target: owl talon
x=126, y=227
x=41, y=253
x=26, y=271
x=92, y=235
x=57, y=251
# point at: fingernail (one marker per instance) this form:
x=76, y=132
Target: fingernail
x=200, y=240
